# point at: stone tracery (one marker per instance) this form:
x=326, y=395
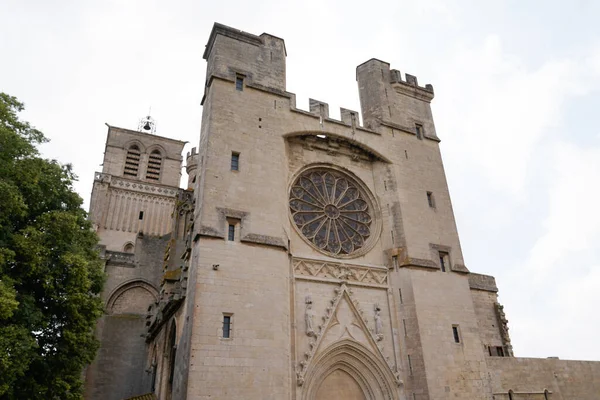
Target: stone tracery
x=331, y=211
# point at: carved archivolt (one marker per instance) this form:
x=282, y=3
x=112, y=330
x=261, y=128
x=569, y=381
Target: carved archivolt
x=377, y=374
x=372, y=374
x=130, y=285
x=349, y=273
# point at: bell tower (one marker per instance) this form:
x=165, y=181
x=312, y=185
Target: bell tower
x=136, y=190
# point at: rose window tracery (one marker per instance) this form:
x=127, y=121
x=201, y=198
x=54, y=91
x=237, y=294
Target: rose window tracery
x=331, y=211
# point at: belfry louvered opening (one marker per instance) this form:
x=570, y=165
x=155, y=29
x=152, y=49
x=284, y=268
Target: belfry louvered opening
x=154, y=165
x=132, y=161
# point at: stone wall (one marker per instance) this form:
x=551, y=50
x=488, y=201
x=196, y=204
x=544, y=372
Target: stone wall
x=528, y=378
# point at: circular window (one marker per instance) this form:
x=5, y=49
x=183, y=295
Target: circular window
x=331, y=210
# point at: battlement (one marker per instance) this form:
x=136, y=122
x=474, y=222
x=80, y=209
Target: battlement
x=410, y=80
x=258, y=60
x=192, y=160
x=389, y=100
x=320, y=109
x=190, y=154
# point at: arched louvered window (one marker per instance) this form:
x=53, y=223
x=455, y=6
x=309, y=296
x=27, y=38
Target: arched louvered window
x=132, y=161
x=154, y=164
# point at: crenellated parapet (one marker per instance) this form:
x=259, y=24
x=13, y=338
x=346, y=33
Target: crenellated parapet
x=389, y=101
x=192, y=160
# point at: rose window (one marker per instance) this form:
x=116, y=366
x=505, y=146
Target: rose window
x=331, y=211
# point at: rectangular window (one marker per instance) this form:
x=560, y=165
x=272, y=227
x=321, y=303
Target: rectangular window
x=239, y=83
x=226, y=326
x=231, y=232
x=419, y=131
x=444, y=261
x=490, y=350
x=235, y=161
x=141, y=215
x=430, y=200
x=500, y=351
x=455, y=333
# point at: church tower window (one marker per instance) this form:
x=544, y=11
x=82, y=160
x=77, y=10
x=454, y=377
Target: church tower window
x=154, y=165
x=132, y=161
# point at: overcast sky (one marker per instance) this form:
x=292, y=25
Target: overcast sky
x=517, y=107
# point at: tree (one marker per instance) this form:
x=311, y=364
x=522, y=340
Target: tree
x=50, y=271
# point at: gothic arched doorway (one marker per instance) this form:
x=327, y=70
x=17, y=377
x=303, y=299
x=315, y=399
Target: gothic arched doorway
x=347, y=370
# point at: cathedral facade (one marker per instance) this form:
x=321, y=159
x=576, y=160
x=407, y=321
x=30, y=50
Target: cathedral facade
x=308, y=258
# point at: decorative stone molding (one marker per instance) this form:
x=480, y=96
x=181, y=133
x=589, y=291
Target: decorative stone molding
x=135, y=186
x=351, y=274
x=120, y=258
x=503, y=325
x=305, y=364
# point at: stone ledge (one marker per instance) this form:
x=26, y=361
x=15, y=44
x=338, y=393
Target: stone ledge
x=460, y=268
x=419, y=263
x=264, y=240
x=482, y=282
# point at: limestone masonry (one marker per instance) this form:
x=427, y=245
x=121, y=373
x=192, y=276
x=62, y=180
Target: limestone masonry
x=307, y=259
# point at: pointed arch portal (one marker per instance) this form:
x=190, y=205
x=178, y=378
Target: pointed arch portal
x=348, y=370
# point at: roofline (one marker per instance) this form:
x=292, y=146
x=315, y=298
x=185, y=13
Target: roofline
x=220, y=29
x=144, y=134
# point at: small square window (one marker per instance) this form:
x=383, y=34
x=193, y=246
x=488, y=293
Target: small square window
x=227, y=326
x=239, y=83
x=430, y=200
x=235, y=161
x=231, y=232
x=444, y=261
x=455, y=333
x=419, y=131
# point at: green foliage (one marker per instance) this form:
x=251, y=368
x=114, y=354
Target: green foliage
x=50, y=272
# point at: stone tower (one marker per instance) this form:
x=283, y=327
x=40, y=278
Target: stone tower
x=309, y=259
x=131, y=207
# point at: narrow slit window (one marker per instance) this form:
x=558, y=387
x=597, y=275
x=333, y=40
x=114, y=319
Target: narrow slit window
x=239, y=83
x=132, y=161
x=154, y=166
x=410, y=369
x=400, y=293
x=430, y=200
x=235, y=161
x=500, y=351
x=226, y=326
x=419, y=131
x=231, y=232
x=456, y=334
x=444, y=261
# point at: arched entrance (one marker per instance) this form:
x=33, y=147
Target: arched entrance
x=347, y=370
x=340, y=385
